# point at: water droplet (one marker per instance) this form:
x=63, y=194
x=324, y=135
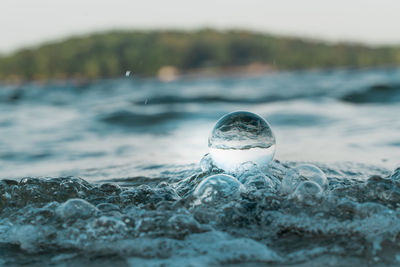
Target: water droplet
x=147, y=100
x=217, y=188
x=127, y=73
x=304, y=172
x=308, y=192
x=239, y=137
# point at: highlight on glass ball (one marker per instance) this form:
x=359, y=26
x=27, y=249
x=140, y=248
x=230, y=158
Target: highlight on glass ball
x=240, y=137
x=217, y=188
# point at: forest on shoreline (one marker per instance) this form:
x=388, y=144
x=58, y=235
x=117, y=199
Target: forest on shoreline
x=111, y=54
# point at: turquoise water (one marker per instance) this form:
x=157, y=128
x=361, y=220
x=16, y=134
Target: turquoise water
x=136, y=144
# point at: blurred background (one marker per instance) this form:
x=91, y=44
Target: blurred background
x=47, y=40
x=114, y=88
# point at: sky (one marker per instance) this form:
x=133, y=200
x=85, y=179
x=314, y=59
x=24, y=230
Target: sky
x=24, y=23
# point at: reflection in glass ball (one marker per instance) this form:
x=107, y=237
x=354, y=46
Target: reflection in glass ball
x=239, y=137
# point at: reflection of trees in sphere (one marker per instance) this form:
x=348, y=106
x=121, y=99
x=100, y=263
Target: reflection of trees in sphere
x=239, y=137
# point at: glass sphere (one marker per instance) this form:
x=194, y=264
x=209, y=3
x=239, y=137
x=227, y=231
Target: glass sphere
x=240, y=137
x=217, y=188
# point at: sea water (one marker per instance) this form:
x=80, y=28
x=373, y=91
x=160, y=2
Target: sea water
x=93, y=174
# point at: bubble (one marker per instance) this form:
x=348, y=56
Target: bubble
x=217, y=188
x=260, y=182
x=246, y=170
x=304, y=172
x=206, y=163
x=251, y=176
x=308, y=192
x=76, y=208
x=239, y=137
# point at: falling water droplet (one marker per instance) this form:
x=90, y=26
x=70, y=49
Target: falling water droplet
x=239, y=137
x=304, y=172
x=127, y=73
x=216, y=189
x=145, y=102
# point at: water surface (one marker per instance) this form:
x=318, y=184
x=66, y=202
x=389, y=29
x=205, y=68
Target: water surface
x=136, y=144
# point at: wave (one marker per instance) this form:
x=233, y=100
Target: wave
x=379, y=93
x=69, y=220
x=357, y=86
x=133, y=119
x=215, y=99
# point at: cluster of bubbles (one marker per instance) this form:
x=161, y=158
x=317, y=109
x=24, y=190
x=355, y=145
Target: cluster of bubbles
x=242, y=145
x=305, y=182
x=245, y=200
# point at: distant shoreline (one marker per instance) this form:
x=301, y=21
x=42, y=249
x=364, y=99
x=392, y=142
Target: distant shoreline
x=254, y=69
x=166, y=54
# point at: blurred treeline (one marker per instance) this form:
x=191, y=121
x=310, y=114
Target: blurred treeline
x=110, y=54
